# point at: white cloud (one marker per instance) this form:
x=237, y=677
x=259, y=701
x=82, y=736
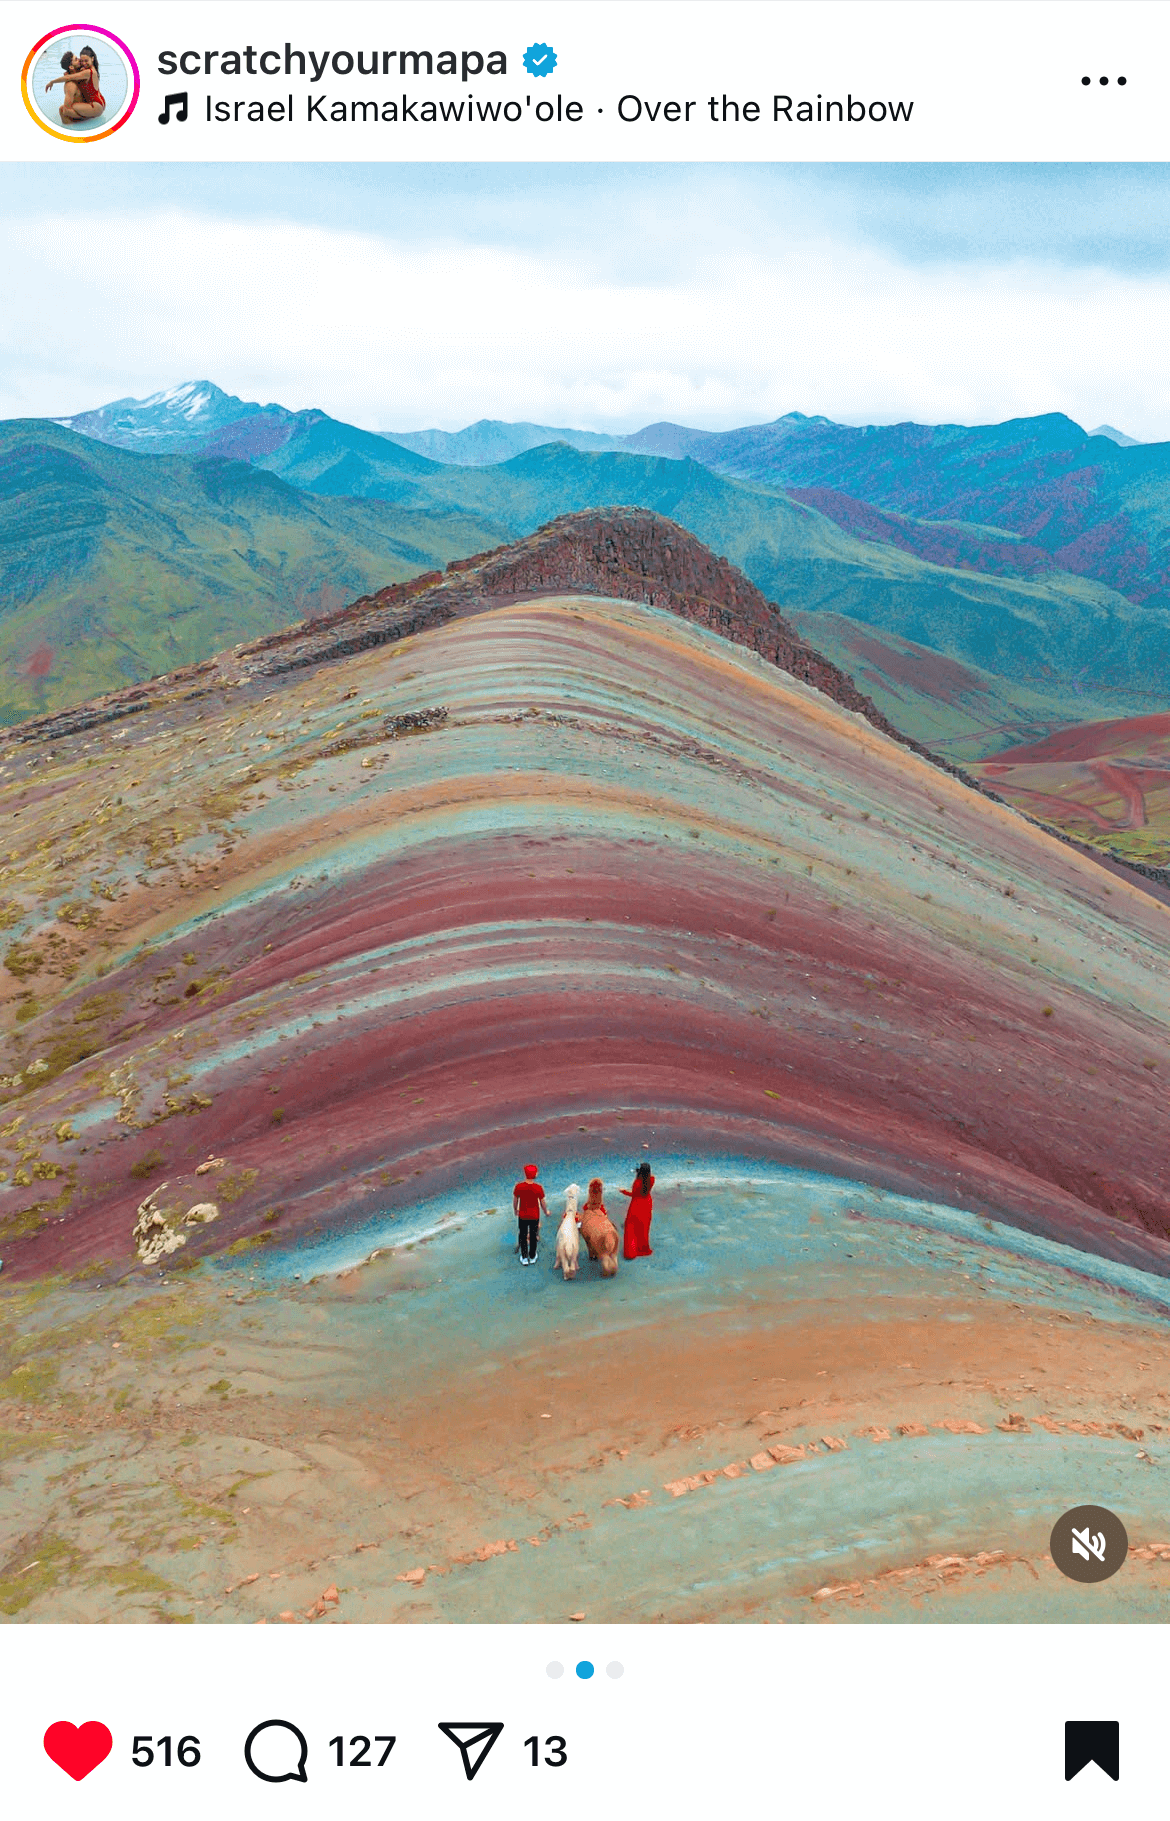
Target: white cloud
x=401, y=336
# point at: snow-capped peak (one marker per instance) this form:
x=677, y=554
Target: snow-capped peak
x=176, y=419
x=188, y=399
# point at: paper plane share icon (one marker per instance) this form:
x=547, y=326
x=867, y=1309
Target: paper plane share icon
x=474, y=1738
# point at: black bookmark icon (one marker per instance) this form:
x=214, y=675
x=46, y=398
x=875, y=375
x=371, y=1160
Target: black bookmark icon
x=1092, y=1742
x=474, y=1738
x=179, y=102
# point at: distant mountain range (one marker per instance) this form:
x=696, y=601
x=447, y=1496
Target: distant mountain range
x=1025, y=497
x=200, y=419
x=983, y=585
x=491, y=441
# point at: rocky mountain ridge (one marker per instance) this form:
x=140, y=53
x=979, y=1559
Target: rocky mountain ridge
x=624, y=553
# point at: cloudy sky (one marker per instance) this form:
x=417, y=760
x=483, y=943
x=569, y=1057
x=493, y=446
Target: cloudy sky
x=603, y=297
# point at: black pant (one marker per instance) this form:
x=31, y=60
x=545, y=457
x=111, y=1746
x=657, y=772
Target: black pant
x=528, y=1231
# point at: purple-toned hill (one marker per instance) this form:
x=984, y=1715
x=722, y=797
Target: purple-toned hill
x=1106, y=782
x=1075, y=501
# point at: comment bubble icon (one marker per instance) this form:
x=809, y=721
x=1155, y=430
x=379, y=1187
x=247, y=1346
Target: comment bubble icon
x=276, y=1751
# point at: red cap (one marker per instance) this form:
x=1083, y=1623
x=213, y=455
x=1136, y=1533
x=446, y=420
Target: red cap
x=530, y=1170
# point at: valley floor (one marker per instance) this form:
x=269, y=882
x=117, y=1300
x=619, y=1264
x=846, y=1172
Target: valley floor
x=815, y=1403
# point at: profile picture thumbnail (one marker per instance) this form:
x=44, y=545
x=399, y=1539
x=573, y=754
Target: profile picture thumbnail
x=80, y=82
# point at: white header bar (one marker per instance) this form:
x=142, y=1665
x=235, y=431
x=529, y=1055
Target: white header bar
x=641, y=80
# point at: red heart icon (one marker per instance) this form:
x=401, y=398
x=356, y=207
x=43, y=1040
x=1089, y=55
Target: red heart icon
x=78, y=1749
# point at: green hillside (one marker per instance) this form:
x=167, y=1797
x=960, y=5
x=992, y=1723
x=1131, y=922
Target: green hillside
x=330, y=457
x=115, y=566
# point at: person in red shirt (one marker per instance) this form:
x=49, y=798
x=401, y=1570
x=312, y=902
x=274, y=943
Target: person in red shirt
x=528, y=1204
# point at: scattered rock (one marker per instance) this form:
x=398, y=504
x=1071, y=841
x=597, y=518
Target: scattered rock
x=486, y=1551
x=842, y=1588
x=322, y=1603
x=691, y=1483
x=201, y=1214
x=1015, y=1424
x=413, y=1576
x=927, y=1574
x=154, y=1235
x=912, y=1429
x=212, y=1163
x=420, y=722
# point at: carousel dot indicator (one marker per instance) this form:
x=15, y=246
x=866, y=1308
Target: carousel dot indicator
x=555, y=1670
x=584, y=1670
x=615, y=1670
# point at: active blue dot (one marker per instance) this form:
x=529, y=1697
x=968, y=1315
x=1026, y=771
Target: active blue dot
x=584, y=1670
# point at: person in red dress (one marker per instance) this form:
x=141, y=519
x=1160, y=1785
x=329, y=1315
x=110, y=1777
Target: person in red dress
x=528, y=1204
x=637, y=1228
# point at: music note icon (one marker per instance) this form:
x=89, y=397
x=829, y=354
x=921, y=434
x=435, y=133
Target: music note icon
x=179, y=102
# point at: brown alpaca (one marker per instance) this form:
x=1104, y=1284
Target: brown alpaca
x=598, y=1231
